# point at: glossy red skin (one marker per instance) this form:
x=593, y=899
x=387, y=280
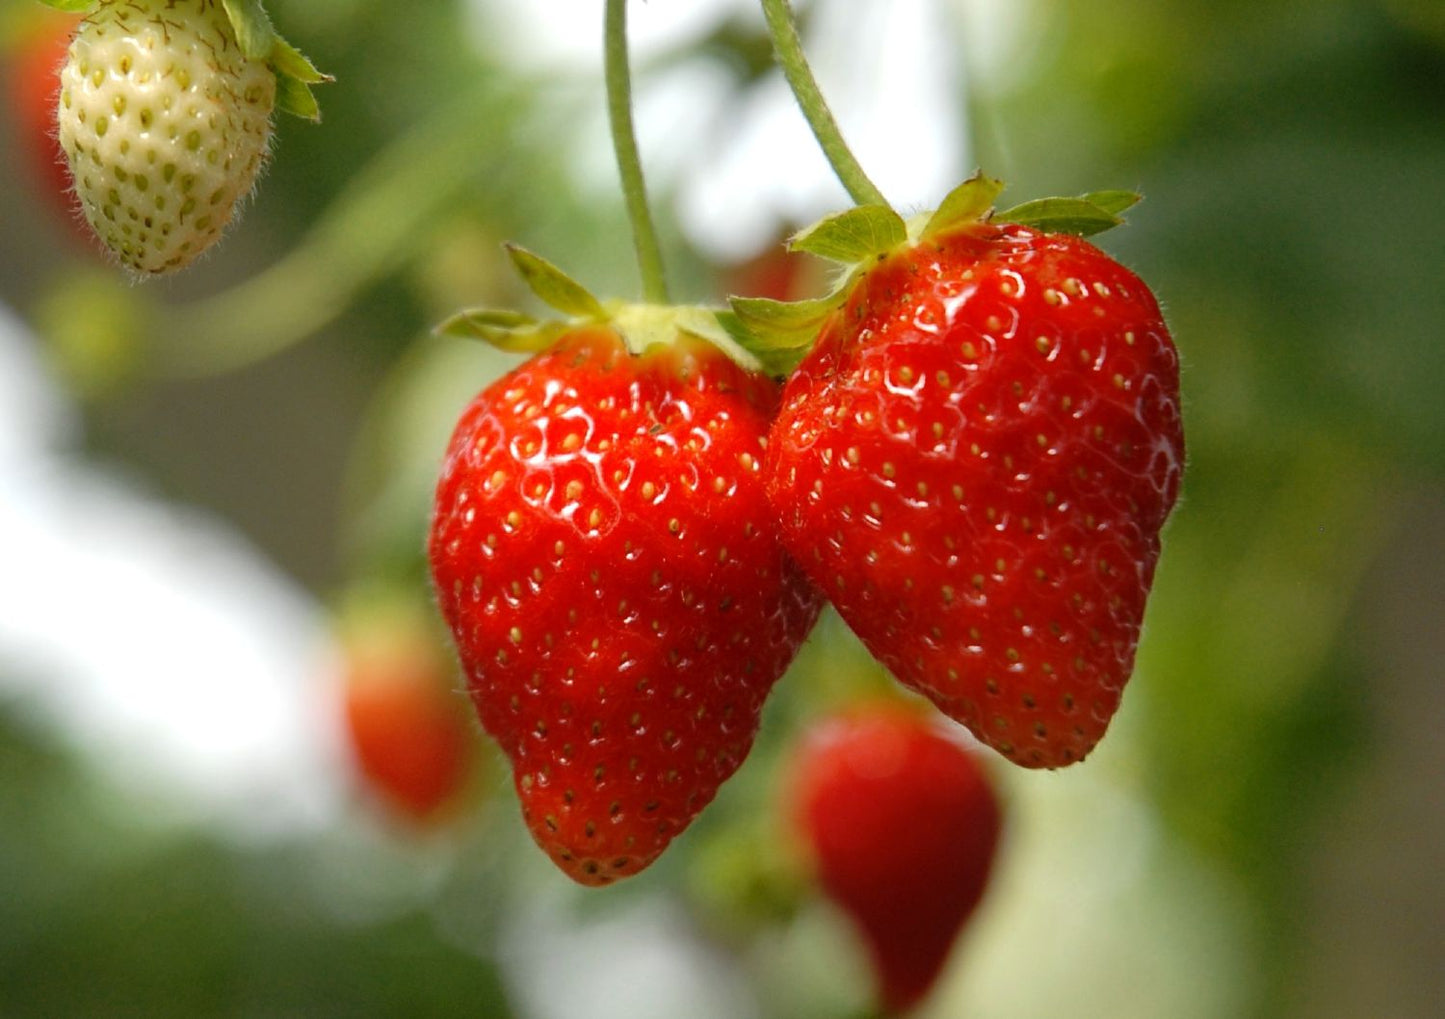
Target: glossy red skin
x=974, y=464
x=903, y=826
x=34, y=92
x=408, y=732
x=604, y=553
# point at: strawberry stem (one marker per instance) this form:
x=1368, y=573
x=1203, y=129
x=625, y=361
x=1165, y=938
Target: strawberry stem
x=629, y=163
x=783, y=28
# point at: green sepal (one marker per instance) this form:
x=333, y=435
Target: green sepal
x=1117, y=202
x=296, y=98
x=295, y=74
x=643, y=325
x=778, y=362
x=780, y=333
x=70, y=6
x=856, y=235
x=553, y=286
x=1078, y=216
x=506, y=330
x=289, y=62
x=253, y=28
x=783, y=325
x=970, y=202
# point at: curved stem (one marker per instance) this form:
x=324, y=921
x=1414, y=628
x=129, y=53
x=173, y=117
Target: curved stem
x=784, y=31
x=629, y=164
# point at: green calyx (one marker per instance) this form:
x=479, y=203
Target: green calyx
x=258, y=40
x=643, y=327
x=781, y=332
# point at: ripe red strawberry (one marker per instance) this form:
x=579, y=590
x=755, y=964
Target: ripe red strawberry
x=34, y=84
x=974, y=463
x=902, y=825
x=604, y=553
x=405, y=720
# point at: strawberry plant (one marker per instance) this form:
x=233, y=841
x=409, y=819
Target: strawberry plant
x=978, y=447
x=969, y=446
x=605, y=555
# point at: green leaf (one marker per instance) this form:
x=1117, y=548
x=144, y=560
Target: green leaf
x=857, y=235
x=253, y=27
x=1117, y=202
x=70, y=6
x=1061, y=215
x=503, y=329
x=554, y=286
x=970, y=202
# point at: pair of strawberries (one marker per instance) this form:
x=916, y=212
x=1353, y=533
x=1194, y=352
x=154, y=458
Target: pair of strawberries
x=972, y=459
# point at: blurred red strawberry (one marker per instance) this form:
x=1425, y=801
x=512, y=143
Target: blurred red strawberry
x=777, y=273
x=408, y=724
x=34, y=85
x=902, y=825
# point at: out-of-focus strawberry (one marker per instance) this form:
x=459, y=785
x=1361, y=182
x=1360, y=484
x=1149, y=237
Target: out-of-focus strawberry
x=34, y=85
x=902, y=826
x=406, y=715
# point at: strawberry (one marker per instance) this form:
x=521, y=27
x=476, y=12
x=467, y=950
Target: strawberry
x=605, y=556
x=165, y=119
x=34, y=87
x=405, y=720
x=975, y=459
x=773, y=272
x=901, y=825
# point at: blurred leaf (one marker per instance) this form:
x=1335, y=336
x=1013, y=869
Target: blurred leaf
x=506, y=330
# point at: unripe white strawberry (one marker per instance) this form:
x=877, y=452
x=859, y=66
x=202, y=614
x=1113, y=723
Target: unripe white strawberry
x=166, y=124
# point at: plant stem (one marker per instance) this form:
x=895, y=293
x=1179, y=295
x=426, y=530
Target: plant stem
x=629, y=163
x=783, y=28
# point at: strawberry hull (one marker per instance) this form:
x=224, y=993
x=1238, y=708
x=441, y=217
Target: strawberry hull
x=974, y=464
x=604, y=554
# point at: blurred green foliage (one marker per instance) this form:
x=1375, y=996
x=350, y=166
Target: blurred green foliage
x=1292, y=154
